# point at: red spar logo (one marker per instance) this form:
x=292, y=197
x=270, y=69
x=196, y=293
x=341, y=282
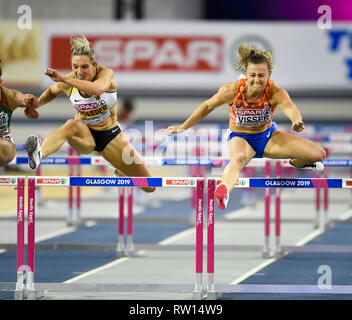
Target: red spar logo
x=147, y=53
x=4, y=180
x=178, y=182
x=48, y=181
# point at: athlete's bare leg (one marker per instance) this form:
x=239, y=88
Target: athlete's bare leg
x=121, y=154
x=75, y=132
x=7, y=151
x=282, y=145
x=240, y=153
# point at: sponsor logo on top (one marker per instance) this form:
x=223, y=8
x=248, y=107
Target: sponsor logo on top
x=240, y=182
x=8, y=180
x=51, y=181
x=348, y=183
x=148, y=52
x=180, y=182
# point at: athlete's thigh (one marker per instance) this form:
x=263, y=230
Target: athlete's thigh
x=240, y=150
x=7, y=151
x=124, y=157
x=82, y=140
x=282, y=145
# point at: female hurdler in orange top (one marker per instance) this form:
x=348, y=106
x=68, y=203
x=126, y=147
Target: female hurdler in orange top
x=252, y=102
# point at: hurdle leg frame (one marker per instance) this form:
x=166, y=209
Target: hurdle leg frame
x=19, y=290
x=316, y=222
x=325, y=223
x=198, y=291
x=267, y=193
x=351, y=190
x=31, y=292
x=277, y=251
x=211, y=293
x=78, y=218
x=69, y=220
x=120, y=249
x=130, y=252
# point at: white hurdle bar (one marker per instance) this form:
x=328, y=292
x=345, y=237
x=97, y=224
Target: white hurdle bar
x=31, y=291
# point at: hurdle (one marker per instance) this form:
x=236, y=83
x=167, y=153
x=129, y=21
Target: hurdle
x=330, y=163
x=18, y=183
x=214, y=291
x=34, y=290
x=125, y=248
x=200, y=162
x=71, y=171
x=74, y=163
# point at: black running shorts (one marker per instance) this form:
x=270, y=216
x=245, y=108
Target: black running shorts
x=102, y=138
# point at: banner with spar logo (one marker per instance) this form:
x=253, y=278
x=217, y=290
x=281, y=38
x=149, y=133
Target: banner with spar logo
x=202, y=55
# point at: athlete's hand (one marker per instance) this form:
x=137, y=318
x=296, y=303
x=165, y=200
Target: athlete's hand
x=54, y=75
x=174, y=130
x=30, y=101
x=298, y=126
x=31, y=113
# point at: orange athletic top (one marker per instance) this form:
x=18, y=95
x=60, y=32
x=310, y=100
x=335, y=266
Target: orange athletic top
x=251, y=115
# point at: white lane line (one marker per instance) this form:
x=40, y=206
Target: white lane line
x=54, y=234
x=177, y=236
x=189, y=232
x=104, y=267
x=309, y=237
x=346, y=215
x=238, y=213
x=302, y=242
x=57, y=233
x=164, y=242
x=252, y=271
x=62, y=232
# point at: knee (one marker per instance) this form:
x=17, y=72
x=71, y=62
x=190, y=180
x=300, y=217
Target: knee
x=239, y=160
x=71, y=127
x=6, y=157
x=318, y=155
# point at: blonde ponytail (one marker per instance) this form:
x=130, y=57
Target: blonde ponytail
x=81, y=47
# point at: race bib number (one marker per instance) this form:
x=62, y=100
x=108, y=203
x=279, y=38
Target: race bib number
x=253, y=117
x=4, y=122
x=94, y=112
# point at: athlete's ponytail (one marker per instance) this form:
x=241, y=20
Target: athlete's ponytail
x=248, y=54
x=81, y=47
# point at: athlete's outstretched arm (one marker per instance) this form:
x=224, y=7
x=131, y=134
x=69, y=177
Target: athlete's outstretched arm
x=97, y=87
x=48, y=95
x=282, y=98
x=224, y=95
x=51, y=93
x=19, y=99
